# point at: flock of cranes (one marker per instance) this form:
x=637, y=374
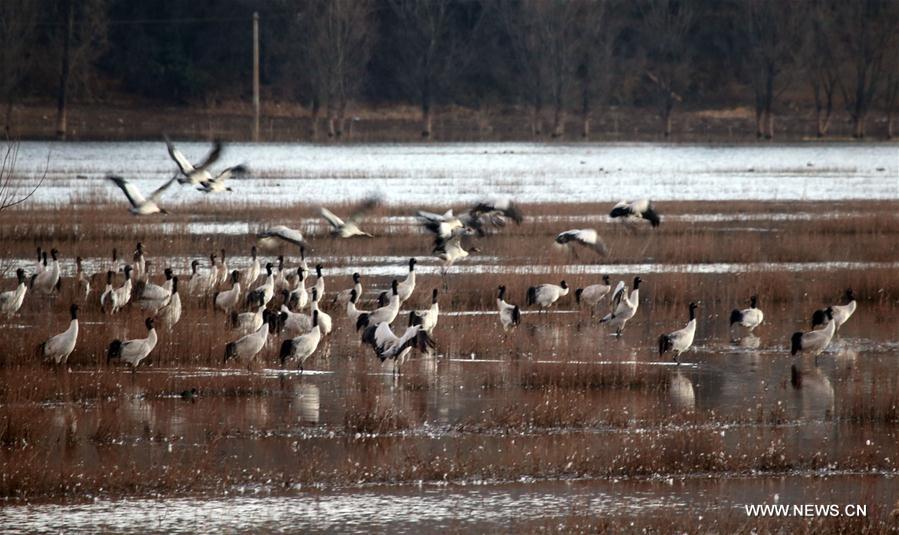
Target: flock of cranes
x=245, y=297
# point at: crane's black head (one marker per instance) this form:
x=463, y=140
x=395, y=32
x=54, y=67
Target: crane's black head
x=168, y=273
x=753, y=301
x=73, y=311
x=605, y=280
x=637, y=281
x=20, y=275
x=140, y=247
x=212, y=258
x=109, y=275
x=115, y=254
x=54, y=253
x=693, y=307
x=280, y=260
x=149, y=323
x=502, y=292
x=267, y=316
x=412, y=263
x=564, y=285
x=223, y=254
x=434, y=295
x=235, y=276
x=318, y=270
x=44, y=256
x=78, y=260
x=850, y=296
x=194, y=265
x=577, y=295
x=268, y=268
x=393, y=286
x=356, y=278
x=128, y=270
x=253, y=252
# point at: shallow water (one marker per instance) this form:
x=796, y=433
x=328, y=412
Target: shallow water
x=466, y=172
x=479, y=507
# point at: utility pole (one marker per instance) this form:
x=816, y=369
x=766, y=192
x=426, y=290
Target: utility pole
x=61, y=110
x=255, y=76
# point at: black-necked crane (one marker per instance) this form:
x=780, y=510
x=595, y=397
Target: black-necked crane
x=271, y=237
x=170, y=313
x=133, y=352
x=11, y=300
x=350, y=227
x=636, y=210
x=680, y=340
x=407, y=285
x=442, y=225
x=249, y=275
x=624, y=306
x=220, y=269
x=343, y=296
x=227, y=300
x=247, y=322
x=387, y=345
x=384, y=314
x=190, y=173
x=113, y=299
x=264, y=293
x=591, y=295
x=248, y=346
x=84, y=281
x=841, y=313
x=303, y=346
x=747, y=319
x=544, y=295
x=586, y=237
x=450, y=250
x=509, y=314
x=141, y=205
x=201, y=283
x=151, y=296
x=815, y=341
x=427, y=318
x=217, y=184
x=47, y=281
x=58, y=348
x=324, y=319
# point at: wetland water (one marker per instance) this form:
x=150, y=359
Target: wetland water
x=464, y=172
x=554, y=422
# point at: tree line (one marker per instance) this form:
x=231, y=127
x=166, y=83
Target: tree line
x=557, y=59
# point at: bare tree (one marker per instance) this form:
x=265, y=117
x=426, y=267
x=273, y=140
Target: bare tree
x=520, y=22
x=82, y=38
x=868, y=35
x=771, y=39
x=597, y=30
x=668, y=57
x=11, y=196
x=17, y=32
x=340, y=38
x=431, y=48
x=820, y=59
x=891, y=96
